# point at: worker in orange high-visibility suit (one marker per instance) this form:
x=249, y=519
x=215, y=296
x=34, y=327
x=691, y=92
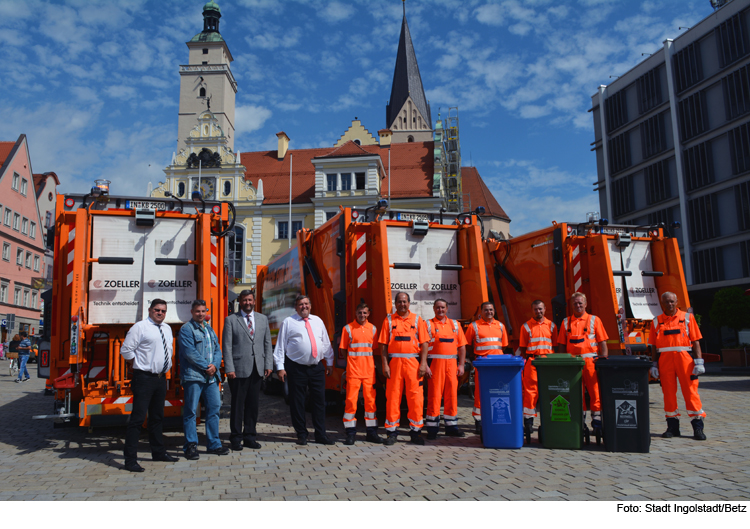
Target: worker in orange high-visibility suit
x=446, y=355
x=488, y=337
x=357, y=339
x=674, y=335
x=583, y=335
x=403, y=339
x=538, y=339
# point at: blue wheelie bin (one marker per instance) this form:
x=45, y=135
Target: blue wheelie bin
x=502, y=406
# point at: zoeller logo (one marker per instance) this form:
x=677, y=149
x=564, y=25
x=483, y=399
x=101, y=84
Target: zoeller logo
x=98, y=283
x=120, y=284
x=166, y=283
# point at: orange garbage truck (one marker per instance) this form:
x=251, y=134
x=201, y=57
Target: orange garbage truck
x=622, y=270
x=112, y=256
x=368, y=256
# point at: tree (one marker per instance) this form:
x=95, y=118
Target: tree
x=731, y=308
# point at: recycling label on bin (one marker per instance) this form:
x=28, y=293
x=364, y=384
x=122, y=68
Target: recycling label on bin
x=626, y=415
x=559, y=409
x=561, y=386
x=629, y=389
x=500, y=410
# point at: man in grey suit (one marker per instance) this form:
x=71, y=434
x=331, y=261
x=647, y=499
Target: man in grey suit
x=248, y=357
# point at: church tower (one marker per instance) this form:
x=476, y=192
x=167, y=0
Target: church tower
x=407, y=114
x=207, y=83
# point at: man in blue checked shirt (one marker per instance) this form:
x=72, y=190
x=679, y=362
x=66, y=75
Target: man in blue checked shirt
x=200, y=359
x=24, y=349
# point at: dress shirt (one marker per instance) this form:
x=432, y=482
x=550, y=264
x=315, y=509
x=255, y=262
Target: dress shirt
x=143, y=343
x=252, y=319
x=294, y=341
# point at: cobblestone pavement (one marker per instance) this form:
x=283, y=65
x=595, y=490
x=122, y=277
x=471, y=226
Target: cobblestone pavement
x=43, y=463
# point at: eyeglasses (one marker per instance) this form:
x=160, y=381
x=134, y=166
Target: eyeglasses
x=159, y=311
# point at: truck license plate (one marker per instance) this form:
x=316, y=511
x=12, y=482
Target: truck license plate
x=145, y=204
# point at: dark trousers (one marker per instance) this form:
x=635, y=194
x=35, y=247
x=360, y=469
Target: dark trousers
x=245, y=402
x=313, y=379
x=149, y=392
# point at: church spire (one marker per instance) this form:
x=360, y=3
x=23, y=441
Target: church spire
x=407, y=82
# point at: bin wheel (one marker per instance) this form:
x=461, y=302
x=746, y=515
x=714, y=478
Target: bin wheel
x=586, y=435
x=598, y=433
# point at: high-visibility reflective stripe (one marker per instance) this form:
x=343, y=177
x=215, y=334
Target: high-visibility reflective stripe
x=350, y=424
x=679, y=348
x=403, y=355
x=348, y=416
x=529, y=412
x=450, y=417
x=675, y=413
x=687, y=325
x=451, y=422
x=369, y=415
x=391, y=426
x=358, y=345
x=371, y=422
x=695, y=413
x=589, y=355
x=596, y=415
x=538, y=347
x=488, y=347
x=355, y=353
x=542, y=339
x=528, y=329
x=442, y=357
x=476, y=412
x=490, y=339
x=432, y=421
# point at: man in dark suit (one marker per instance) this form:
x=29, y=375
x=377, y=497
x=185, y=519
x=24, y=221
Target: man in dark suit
x=248, y=357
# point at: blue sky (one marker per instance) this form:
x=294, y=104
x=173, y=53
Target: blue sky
x=95, y=84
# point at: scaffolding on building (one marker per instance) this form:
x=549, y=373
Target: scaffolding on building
x=448, y=161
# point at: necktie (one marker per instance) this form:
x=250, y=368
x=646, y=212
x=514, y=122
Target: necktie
x=312, y=337
x=166, y=353
x=250, y=326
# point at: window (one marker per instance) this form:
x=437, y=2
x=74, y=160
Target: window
x=19, y=257
x=703, y=218
x=235, y=255
x=181, y=189
x=16, y=178
x=358, y=142
x=202, y=92
x=8, y=214
x=36, y=263
x=17, y=296
x=283, y=230
x=731, y=40
x=28, y=260
x=227, y=188
x=739, y=148
x=693, y=116
x=24, y=186
x=409, y=139
x=360, y=177
x=204, y=62
x=50, y=197
x=649, y=91
x=619, y=153
x=330, y=215
x=331, y=180
x=742, y=194
x=296, y=226
x=622, y=196
x=687, y=66
x=16, y=221
x=25, y=298
x=205, y=51
x=3, y=292
x=6, y=251
x=48, y=220
x=736, y=87
x=616, y=110
x=25, y=226
x=653, y=136
x=657, y=182
x=699, y=168
x=32, y=230
x=708, y=265
x=33, y=300
x=346, y=181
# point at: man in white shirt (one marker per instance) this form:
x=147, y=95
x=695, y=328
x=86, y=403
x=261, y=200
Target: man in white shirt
x=148, y=349
x=300, y=346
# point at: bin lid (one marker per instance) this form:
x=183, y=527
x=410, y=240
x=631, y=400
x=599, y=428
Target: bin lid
x=620, y=361
x=559, y=359
x=498, y=360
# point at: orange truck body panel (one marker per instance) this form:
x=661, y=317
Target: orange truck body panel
x=86, y=371
x=347, y=261
x=553, y=263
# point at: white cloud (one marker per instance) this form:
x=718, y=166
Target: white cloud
x=336, y=12
x=275, y=38
x=249, y=118
x=121, y=92
x=490, y=14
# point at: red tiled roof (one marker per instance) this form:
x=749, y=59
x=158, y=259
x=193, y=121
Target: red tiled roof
x=5, y=149
x=479, y=194
x=40, y=180
x=411, y=166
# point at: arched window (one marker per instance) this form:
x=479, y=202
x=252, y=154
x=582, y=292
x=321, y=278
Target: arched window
x=235, y=254
x=227, y=188
x=410, y=139
x=358, y=142
x=203, y=92
x=181, y=189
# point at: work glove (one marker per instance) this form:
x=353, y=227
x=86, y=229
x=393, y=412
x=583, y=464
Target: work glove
x=698, y=369
x=654, y=370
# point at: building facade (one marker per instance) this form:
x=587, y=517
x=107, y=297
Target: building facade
x=410, y=163
x=22, y=241
x=672, y=142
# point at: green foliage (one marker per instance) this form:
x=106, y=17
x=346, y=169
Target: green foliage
x=731, y=308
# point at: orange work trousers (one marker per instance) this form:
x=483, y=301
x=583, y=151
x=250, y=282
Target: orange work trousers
x=530, y=387
x=591, y=382
x=404, y=373
x=352, y=395
x=673, y=366
x=442, y=386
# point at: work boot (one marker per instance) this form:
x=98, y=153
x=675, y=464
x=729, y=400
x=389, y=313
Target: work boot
x=453, y=431
x=391, y=439
x=432, y=433
x=351, y=434
x=528, y=425
x=478, y=427
x=673, y=428
x=373, y=437
x=698, y=434
x=416, y=438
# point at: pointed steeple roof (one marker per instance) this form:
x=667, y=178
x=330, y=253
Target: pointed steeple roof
x=406, y=79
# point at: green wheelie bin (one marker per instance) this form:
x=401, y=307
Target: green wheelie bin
x=560, y=400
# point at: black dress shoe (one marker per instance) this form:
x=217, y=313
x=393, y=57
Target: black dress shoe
x=236, y=446
x=133, y=467
x=301, y=440
x=165, y=457
x=221, y=451
x=325, y=441
x=255, y=445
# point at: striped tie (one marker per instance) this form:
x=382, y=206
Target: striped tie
x=250, y=326
x=166, y=353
